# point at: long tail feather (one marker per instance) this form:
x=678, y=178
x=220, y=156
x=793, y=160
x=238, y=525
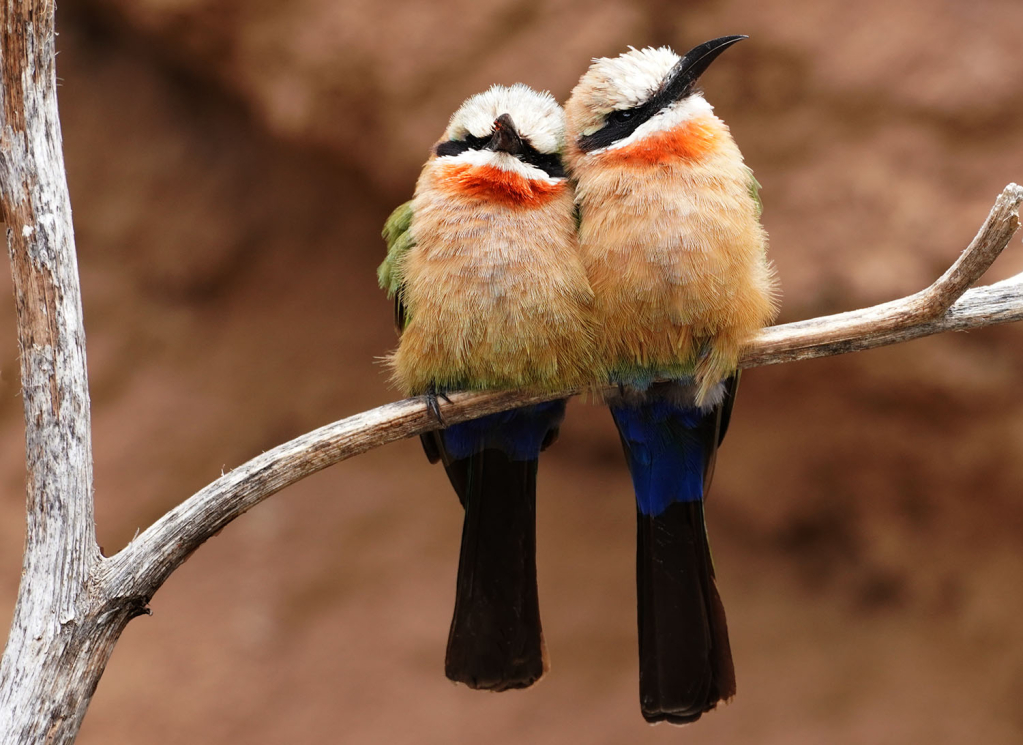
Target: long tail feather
x=685, y=659
x=685, y=662
x=496, y=641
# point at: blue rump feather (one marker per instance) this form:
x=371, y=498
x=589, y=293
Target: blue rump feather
x=518, y=433
x=667, y=455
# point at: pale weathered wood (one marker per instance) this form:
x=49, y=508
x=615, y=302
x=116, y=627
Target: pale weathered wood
x=138, y=570
x=72, y=603
x=828, y=335
x=58, y=645
x=914, y=316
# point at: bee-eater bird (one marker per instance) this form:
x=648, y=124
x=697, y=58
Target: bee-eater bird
x=671, y=238
x=491, y=293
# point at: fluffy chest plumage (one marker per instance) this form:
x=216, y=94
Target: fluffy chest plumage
x=678, y=232
x=483, y=231
x=495, y=287
x=672, y=243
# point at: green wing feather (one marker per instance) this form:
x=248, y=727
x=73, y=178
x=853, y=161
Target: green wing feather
x=397, y=235
x=754, y=192
x=398, y=238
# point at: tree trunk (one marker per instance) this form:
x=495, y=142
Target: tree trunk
x=57, y=649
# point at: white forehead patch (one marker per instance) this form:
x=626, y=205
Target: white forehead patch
x=628, y=80
x=691, y=107
x=537, y=116
x=504, y=161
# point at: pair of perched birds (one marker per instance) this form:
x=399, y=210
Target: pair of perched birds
x=615, y=241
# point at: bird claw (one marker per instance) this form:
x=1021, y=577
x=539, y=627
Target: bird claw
x=433, y=404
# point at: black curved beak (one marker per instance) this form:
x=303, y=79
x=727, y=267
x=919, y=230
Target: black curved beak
x=683, y=78
x=505, y=138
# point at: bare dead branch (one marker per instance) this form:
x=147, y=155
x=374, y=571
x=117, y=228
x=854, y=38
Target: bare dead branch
x=142, y=566
x=60, y=548
x=927, y=312
x=824, y=337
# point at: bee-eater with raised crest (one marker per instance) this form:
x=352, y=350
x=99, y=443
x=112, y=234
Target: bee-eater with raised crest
x=491, y=294
x=671, y=237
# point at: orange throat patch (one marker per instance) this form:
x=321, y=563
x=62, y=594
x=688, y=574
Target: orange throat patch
x=497, y=185
x=691, y=140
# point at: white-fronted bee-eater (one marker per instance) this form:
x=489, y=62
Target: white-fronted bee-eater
x=671, y=238
x=491, y=294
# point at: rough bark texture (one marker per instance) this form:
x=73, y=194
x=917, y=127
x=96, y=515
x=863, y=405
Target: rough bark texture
x=144, y=564
x=58, y=644
x=73, y=604
x=929, y=311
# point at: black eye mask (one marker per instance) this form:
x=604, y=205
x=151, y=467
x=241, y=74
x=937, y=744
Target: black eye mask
x=623, y=122
x=678, y=84
x=549, y=163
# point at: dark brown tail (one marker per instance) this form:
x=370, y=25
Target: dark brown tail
x=496, y=642
x=685, y=663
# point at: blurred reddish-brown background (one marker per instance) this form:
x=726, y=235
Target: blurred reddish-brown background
x=231, y=162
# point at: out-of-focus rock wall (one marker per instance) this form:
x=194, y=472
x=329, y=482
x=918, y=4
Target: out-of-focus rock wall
x=230, y=164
